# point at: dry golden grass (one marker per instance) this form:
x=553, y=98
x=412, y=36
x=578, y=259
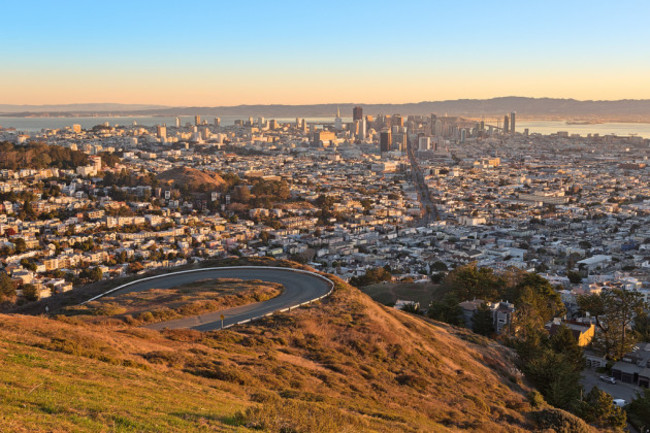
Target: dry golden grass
x=344, y=365
x=156, y=305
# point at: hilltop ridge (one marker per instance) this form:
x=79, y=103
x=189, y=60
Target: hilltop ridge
x=346, y=364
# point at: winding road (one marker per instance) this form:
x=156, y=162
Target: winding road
x=300, y=288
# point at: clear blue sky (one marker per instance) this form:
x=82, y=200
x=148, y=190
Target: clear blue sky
x=227, y=52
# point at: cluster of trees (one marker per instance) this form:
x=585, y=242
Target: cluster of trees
x=615, y=311
x=372, y=276
x=7, y=287
x=552, y=363
x=536, y=301
x=39, y=155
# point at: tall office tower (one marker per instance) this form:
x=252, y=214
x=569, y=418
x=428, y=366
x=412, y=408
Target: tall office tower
x=298, y=123
x=161, y=131
x=424, y=143
x=338, y=122
x=399, y=142
x=506, y=124
x=385, y=141
x=197, y=120
x=250, y=121
x=512, y=122
x=178, y=122
x=437, y=128
x=357, y=113
x=260, y=122
x=463, y=135
x=398, y=120
x=362, y=129
x=217, y=122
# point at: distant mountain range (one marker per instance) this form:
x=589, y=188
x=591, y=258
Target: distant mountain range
x=627, y=110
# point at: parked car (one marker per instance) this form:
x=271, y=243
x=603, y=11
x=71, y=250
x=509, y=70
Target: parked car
x=608, y=379
x=620, y=402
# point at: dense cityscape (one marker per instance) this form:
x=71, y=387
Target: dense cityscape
x=351, y=217
x=413, y=195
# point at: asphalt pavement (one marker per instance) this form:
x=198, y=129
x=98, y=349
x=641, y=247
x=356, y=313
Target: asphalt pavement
x=299, y=288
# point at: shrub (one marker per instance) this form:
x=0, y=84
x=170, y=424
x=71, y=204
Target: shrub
x=560, y=421
x=536, y=399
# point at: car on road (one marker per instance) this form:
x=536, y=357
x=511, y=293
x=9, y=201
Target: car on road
x=608, y=379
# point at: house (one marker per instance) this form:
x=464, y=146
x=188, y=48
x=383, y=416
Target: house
x=502, y=312
x=634, y=368
x=582, y=332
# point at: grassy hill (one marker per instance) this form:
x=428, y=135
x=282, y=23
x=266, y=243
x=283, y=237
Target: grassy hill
x=344, y=365
x=191, y=178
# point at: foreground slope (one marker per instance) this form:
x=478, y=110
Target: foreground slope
x=347, y=364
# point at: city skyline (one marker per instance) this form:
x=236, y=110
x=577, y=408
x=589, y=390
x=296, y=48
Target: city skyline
x=295, y=53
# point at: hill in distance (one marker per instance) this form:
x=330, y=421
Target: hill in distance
x=347, y=364
x=191, y=178
x=626, y=110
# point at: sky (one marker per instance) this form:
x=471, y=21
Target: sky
x=225, y=52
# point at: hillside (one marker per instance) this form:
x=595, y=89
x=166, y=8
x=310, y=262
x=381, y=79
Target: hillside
x=345, y=365
x=626, y=110
x=191, y=178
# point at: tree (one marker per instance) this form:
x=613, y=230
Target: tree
x=614, y=311
x=20, y=245
x=599, y=409
x=30, y=293
x=241, y=194
x=469, y=282
x=555, y=378
x=439, y=266
x=447, y=310
x=574, y=277
x=565, y=343
x=640, y=407
x=93, y=274
x=7, y=287
x=483, y=321
x=642, y=326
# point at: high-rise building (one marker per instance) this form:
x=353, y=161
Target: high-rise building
x=178, y=122
x=217, y=122
x=385, y=141
x=398, y=120
x=357, y=113
x=161, y=131
x=338, y=122
x=506, y=124
x=512, y=122
x=197, y=120
x=399, y=141
x=424, y=143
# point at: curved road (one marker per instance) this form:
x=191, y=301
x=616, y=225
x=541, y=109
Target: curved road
x=300, y=287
